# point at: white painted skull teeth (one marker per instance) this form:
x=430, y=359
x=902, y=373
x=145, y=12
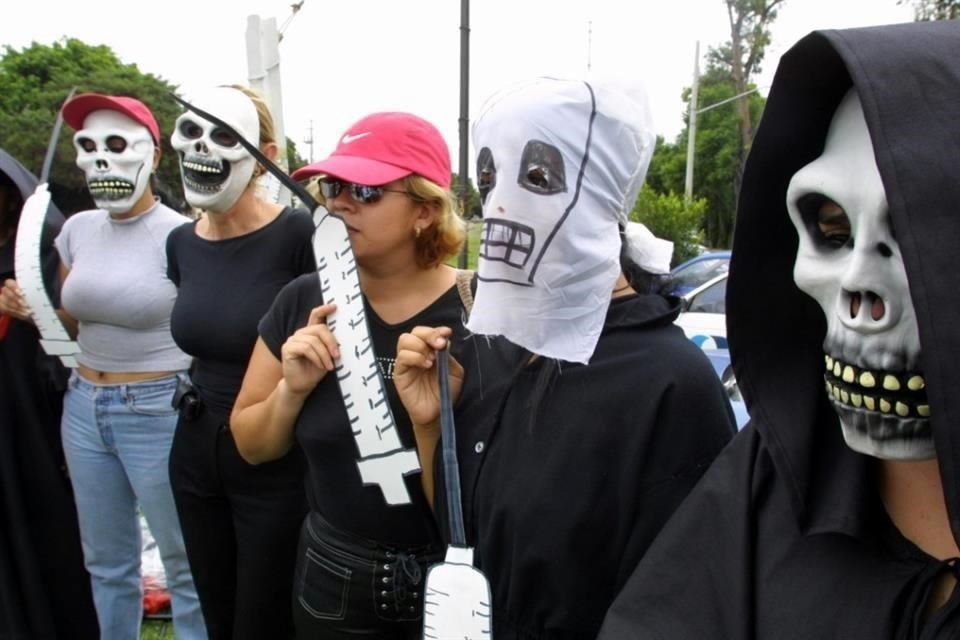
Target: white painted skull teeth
x=890, y=393
x=204, y=175
x=110, y=189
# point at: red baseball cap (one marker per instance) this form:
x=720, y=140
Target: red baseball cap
x=76, y=110
x=384, y=147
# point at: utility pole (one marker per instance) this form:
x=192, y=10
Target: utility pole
x=309, y=139
x=263, y=71
x=464, y=120
x=692, y=112
x=692, y=126
x=589, y=43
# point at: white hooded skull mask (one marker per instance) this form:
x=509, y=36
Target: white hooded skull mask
x=115, y=152
x=215, y=168
x=849, y=261
x=559, y=166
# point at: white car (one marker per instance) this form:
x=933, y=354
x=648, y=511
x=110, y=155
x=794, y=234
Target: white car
x=703, y=318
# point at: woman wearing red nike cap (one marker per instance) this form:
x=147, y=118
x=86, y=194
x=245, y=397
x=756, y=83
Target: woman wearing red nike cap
x=361, y=561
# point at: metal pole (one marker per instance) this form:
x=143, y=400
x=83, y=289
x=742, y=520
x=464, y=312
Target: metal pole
x=464, y=119
x=692, y=126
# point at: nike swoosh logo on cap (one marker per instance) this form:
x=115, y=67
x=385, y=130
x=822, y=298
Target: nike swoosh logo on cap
x=347, y=139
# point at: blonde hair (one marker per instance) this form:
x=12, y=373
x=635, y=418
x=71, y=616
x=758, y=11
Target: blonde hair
x=268, y=130
x=444, y=238
x=441, y=240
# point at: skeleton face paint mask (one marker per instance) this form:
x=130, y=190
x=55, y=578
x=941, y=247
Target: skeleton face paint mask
x=116, y=154
x=215, y=168
x=559, y=166
x=850, y=262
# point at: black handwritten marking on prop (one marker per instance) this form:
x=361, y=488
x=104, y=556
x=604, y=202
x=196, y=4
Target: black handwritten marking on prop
x=27, y=266
x=456, y=595
x=383, y=460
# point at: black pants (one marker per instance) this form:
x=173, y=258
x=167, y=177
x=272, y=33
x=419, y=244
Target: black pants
x=347, y=587
x=240, y=525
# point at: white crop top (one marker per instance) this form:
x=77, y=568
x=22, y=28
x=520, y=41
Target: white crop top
x=118, y=289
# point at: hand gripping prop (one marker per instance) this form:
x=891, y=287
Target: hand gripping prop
x=457, y=595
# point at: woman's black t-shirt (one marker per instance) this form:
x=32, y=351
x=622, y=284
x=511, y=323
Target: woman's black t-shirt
x=225, y=286
x=334, y=486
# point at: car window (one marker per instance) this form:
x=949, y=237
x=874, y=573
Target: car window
x=700, y=272
x=710, y=300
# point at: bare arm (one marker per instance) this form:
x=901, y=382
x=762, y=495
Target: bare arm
x=69, y=322
x=274, y=391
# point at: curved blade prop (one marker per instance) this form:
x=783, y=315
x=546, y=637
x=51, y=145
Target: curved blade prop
x=28, y=269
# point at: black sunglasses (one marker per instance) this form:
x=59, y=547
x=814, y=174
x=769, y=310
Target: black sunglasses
x=362, y=193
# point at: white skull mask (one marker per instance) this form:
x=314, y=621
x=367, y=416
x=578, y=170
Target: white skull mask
x=849, y=261
x=559, y=166
x=215, y=168
x=116, y=154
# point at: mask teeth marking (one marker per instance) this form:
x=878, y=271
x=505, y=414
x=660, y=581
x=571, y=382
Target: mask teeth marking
x=885, y=405
x=867, y=380
x=856, y=400
x=848, y=374
x=923, y=410
x=902, y=410
x=916, y=383
x=870, y=403
x=890, y=383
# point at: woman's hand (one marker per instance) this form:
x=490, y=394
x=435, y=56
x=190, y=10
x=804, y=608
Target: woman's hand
x=415, y=373
x=309, y=354
x=12, y=301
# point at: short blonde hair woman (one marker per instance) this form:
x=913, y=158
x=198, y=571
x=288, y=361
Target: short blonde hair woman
x=361, y=562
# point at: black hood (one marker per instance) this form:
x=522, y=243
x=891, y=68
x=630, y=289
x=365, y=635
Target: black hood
x=27, y=183
x=908, y=80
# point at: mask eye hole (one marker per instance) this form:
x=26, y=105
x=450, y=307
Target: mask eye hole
x=116, y=144
x=87, y=144
x=486, y=173
x=541, y=169
x=826, y=221
x=223, y=137
x=190, y=130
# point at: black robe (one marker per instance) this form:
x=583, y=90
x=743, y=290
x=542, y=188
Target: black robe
x=786, y=536
x=44, y=588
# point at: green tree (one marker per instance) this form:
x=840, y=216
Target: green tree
x=750, y=22
x=927, y=10
x=35, y=81
x=716, y=153
x=669, y=217
x=473, y=208
x=294, y=159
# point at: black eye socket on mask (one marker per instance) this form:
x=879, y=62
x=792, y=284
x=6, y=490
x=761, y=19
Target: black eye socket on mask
x=116, y=144
x=223, y=137
x=486, y=173
x=541, y=169
x=190, y=130
x=825, y=221
x=87, y=144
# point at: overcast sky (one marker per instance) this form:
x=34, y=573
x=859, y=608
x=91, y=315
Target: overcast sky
x=342, y=60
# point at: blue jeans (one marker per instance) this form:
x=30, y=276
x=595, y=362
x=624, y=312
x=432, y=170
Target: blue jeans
x=117, y=438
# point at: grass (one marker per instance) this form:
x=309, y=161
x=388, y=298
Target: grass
x=472, y=245
x=156, y=630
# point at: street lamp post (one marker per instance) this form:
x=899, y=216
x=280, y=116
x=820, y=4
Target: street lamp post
x=692, y=124
x=464, y=119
